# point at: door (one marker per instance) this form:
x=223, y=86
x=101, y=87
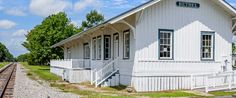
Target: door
x=115, y=46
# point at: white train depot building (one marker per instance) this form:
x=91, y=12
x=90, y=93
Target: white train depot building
x=159, y=45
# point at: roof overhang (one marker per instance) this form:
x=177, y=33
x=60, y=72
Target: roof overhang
x=76, y=36
x=230, y=9
x=133, y=11
x=110, y=21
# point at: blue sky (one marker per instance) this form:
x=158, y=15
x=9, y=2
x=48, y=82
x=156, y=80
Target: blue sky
x=19, y=16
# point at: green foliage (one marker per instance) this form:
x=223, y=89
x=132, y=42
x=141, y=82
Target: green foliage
x=2, y=64
x=233, y=48
x=5, y=55
x=93, y=18
x=52, y=30
x=23, y=57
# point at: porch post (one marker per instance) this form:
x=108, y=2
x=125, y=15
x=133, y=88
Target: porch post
x=206, y=86
x=91, y=51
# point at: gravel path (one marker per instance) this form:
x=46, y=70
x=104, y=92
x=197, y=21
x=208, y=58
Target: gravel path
x=27, y=88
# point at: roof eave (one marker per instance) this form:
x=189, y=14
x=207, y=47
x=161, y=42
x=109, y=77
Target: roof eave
x=78, y=35
x=110, y=21
x=118, y=18
x=229, y=7
x=133, y=11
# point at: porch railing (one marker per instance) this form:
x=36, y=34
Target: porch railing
x=214, y=82
x=105, y=72
x=70, y=63
x=221, y=81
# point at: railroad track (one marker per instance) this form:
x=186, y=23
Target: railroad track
x=7, y=79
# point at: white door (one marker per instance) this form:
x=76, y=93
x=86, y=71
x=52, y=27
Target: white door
x=115, y=46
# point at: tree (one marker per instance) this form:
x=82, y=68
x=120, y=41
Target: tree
x=5, y=55
x=233, y=48
x=52, y=30
x=22, y=57
x=93, y=18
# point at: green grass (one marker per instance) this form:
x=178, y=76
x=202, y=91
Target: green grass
x=89, y=94
x=43, y=73
x=223, y=93
x=115, y=88
x=2, y=64
x=169, y=94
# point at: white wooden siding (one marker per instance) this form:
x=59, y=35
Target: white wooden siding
x=72, y=75
x=187, y=24
x=161, y=83
x=125, y=66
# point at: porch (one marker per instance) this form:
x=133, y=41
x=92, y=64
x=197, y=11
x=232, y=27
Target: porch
x=71, y=63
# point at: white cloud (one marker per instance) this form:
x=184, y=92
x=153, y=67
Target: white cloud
x=14, y=41
x=20, y=33
x=7, y=24
x=48, y=7
x=80, y=5
x=119, y=2
x=15, y=12
x=144, y=1
x=74, y=23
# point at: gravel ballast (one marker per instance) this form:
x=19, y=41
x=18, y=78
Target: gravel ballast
x=27, y=88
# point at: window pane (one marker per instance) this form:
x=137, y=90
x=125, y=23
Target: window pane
x=99, y=41
x=86, y=51
x=207, y=42
x=165, y=44
x=126, y=45
x=107, y=47
x=94, y=48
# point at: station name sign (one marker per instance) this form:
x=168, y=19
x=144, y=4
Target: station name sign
x=187, y=4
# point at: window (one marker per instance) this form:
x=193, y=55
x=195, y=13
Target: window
x=166, y=44
x=94, y=48
x=68, y=53
x=86, y=51
x=107, y=47
x=99, y=47
x=126, y=51
x=116, y=45
x=207, y=46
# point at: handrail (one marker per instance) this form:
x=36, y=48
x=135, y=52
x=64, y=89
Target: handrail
x=98, y=67
x=107, y=65
x=107, y=70
x=214, y=81
x=107, y=77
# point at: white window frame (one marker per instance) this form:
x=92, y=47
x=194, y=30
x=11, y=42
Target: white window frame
x=109, y=47
x=86, y=51
x=207, y=43
x=99, y=48
x=165, y=41
x=94, y=48
x=126, y=45
x=68, y=53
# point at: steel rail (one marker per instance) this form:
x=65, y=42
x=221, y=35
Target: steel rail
x=5, y=83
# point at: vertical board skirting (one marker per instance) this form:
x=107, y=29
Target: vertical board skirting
x=161, y=83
